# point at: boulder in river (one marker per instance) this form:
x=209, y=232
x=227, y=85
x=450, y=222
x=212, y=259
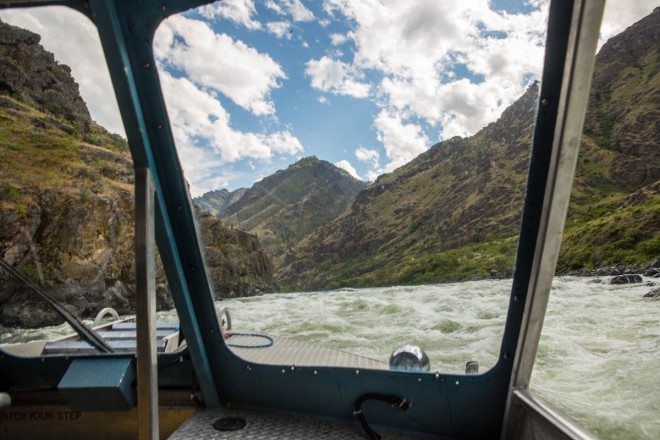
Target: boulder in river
x=655, y=293
x=624, y=279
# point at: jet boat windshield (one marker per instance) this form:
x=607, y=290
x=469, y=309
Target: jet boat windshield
x=337, y=150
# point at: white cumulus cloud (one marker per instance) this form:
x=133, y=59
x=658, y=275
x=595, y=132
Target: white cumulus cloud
x=369, y=156
x=346, y=166
x=337, y=77
x=238, y=11
x=454, y=65
x=402, y=141
x=238, y=71
x=272, y=5
x=280, y=29
x=294, y=8
x=298, y=11
x=337, y=39
x=372, y=159
x=205, y=139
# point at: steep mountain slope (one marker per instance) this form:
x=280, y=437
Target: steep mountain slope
x=453, y=213
x=214, y=202
x=458, y=192
x=66, y=201
x=236, y=263
x=624, y=115
x=615, y=211
x=286, y=206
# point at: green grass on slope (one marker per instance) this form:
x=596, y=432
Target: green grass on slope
x=627, y=235
x=474, y=261
x=39, y=152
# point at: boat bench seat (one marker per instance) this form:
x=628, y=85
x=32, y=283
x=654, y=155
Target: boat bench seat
x=172, y=326
x=127, y=335
x=121, y=337
x=80, y=347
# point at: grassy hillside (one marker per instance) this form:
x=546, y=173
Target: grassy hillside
x=40, y=152
x=613, y=217
x=453, y=213
x=465, y=191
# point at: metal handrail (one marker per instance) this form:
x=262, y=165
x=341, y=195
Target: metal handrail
x=103, y=313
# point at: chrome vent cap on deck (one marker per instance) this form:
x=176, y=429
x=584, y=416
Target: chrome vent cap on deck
x=409, y=358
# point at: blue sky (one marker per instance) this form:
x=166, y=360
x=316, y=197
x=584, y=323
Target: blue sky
x=364, y=84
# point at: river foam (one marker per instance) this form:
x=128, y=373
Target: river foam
x=598, y=357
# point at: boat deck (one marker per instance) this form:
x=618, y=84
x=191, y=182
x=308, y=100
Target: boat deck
x=272, y=425
x=286, y=351
x=253, y=348
x=269, y=350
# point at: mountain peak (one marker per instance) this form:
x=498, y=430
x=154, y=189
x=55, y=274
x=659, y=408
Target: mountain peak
x=215, y=201
x=286, y=206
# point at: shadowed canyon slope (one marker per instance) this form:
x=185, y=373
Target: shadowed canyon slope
x=66, y=200
x=288, y=205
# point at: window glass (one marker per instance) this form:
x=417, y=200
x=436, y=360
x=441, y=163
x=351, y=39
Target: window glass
x=599, y=346
x=338, y=149
x=66, y=180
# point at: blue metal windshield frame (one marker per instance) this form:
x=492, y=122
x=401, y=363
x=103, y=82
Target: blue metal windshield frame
x=449, y=406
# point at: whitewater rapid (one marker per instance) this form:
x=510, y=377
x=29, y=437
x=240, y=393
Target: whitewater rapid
x=598, y=358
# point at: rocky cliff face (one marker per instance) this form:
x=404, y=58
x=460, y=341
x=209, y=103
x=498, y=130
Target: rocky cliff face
x=32, y=75
x=81, y=253
x=66, y=209
x=66, y=201
x=236, y=263
x=624, y=106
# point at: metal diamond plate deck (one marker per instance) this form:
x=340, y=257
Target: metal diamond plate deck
x=285, y=351
x=270, y=425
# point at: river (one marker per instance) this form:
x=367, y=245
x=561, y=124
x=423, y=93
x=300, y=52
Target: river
x=598, y=359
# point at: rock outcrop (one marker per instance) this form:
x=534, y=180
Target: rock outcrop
x=66, y=201
x=624, y=279
x=32, y=75
x=80, y=251
x=236, y=263
x=655, y=293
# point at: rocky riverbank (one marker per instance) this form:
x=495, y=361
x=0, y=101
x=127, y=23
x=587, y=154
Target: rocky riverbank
x=625, y=274
x=651, y=269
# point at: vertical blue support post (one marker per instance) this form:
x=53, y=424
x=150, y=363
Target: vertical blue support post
x=145, y=274
x=128, y=51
